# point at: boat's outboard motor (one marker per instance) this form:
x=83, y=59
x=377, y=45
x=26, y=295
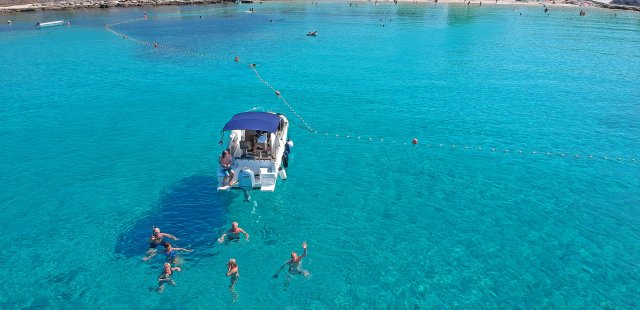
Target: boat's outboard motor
x=246, y=182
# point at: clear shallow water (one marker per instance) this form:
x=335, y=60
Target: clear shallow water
x=103, y=138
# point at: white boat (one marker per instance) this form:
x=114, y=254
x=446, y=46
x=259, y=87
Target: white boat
x=259, y=147
x=50, y=24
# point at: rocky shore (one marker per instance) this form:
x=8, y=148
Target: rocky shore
x=614, y=5
x=36, y=5
x=21, y=6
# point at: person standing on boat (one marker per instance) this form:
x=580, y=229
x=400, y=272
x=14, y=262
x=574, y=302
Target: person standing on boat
x=171, y=253
x=156, y=240
x=225, y=165
x=295, y=264
x=166, y=277
x=233, y=233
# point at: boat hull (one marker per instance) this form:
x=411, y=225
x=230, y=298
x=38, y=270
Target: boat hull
x=50, y=24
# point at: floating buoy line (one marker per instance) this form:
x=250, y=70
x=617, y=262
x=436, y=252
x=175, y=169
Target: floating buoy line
x=408, y=141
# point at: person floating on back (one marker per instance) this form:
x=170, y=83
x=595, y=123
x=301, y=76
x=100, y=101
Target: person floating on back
x=156, y=240
x=295, y=264
x=233, y=234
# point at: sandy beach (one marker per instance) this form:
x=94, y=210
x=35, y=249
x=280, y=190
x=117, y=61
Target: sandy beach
x=30, y=5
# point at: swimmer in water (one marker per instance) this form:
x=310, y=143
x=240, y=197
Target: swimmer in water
x=233, y=233
x=156, y=240
x=166, y=277
x=171, y=253
x=295, y=263
x=232, y=271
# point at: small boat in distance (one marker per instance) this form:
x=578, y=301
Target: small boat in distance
x=50, y=24
x=259, y=148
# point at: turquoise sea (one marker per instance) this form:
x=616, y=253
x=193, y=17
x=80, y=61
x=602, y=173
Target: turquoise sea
x=103, y=137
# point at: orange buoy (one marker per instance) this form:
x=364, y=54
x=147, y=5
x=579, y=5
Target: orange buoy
x=414, y=141
x=237, y=59
x=277, y=93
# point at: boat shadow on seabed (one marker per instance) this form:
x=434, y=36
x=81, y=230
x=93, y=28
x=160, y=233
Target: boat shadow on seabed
x=192, y=210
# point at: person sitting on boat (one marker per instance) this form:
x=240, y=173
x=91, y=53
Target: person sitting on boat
x=260, y=139
x=225, y=165
x=156, y=240
x=233, y=233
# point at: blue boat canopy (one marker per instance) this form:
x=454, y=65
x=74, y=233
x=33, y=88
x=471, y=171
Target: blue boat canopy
x=262, y=121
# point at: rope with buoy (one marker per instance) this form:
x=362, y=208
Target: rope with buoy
x=252, y=66
x=635, y=161
x=414, y=141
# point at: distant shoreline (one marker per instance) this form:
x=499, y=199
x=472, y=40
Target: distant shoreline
x=97, y=4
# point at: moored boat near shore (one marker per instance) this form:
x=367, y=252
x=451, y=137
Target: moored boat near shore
x=50, y=24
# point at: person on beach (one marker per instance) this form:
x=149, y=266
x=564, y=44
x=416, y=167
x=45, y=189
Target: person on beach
x=295, y=263
x=225, y=165
x=171, y=253
x=166, y=277
x=233, y=234
x=156, y=240
x=232, y=272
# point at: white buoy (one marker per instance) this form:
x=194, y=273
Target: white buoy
x=283, y=174
x=290, y=143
